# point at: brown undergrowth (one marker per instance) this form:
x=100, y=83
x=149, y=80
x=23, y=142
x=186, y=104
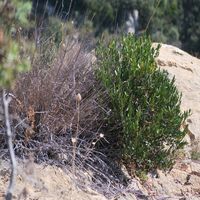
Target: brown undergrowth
x=47, y=94
x=44, y=108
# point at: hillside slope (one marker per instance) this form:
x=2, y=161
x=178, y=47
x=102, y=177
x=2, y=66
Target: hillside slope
x=183, y=182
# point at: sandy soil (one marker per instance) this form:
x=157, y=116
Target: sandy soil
x=40, y=182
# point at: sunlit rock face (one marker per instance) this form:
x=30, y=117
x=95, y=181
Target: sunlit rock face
x=186, y=70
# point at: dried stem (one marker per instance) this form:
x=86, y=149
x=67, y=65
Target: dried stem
x=6, y=101
x=75, y=138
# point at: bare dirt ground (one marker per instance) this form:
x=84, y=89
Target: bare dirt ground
x=40, y=182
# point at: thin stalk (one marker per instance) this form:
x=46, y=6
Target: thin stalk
x=6, y=101
x=74, y=139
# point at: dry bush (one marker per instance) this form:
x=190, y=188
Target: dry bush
x=45, y=105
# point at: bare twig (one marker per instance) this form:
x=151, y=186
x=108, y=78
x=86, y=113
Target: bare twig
x=147, y=26
x=74, y=139
x=70, y=6
x=6, y=101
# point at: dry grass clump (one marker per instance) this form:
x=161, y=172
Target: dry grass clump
x=46, y=106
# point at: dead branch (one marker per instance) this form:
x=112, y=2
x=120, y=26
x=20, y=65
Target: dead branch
x=6, y=101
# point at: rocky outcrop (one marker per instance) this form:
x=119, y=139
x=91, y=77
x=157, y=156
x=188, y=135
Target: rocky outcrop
x=186, y=70
x=183, y=181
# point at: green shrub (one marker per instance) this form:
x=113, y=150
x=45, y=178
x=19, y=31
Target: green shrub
x=53, y=31
x=145, y=104
x=13, y=18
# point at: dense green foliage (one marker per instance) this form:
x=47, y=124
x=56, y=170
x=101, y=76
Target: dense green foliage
x=13, y=17
x=190, y=29
x=169, y=21
x=165, y=24
x=144, y=103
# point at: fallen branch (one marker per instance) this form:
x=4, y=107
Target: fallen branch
x=6, y=101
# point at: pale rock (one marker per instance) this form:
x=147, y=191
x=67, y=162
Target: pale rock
x=186, y=70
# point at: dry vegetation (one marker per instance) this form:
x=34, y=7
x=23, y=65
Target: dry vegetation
x=56, y=118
